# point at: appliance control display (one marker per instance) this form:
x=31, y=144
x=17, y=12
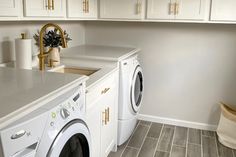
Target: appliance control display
x=76, y=97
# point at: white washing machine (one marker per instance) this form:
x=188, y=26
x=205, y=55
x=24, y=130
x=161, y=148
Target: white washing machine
x=56, y=130
x=21, y=138
x=130, y=96
x=66, y=133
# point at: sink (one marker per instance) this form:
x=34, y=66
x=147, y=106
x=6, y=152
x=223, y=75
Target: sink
x=74, y=70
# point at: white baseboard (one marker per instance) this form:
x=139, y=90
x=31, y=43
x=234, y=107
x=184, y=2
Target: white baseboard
x=177, y=122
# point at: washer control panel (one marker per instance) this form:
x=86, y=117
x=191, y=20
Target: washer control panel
x=71, y=108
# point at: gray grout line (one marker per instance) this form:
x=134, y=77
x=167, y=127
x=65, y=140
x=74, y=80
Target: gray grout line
x=217, y=150
x=195, y=143
x=201, y=144
x=158, y=140
x=132, y=148
x=186, y=151
x=144, y=140
x=153, y=138
x=129, y=139
x=172, y=141
x=209, y=136
x=179, y=146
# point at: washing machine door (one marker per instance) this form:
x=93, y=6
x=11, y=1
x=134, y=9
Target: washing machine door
x=136, y=93
x=72, y=141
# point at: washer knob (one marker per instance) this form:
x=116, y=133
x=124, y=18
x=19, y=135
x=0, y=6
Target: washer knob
x=64, y=113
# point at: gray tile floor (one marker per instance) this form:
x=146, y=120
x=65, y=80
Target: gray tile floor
x=160, y=140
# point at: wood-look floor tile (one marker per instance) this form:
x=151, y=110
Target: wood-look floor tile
x=169, y=126
x=224, y=151
x=161, y=154
x=148, y=148
x=155, y=130
x=194, y=150
x=119, y=151
x=142, y=122
x=209, y=147
x=208, y=133
x=178, y=151
x=180, y=137
x=194, y=136
x=234, y=152
x=130, y=152
x=138, y=136
x=165, y=140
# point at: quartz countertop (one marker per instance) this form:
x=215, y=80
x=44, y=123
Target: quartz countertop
x=98, y=52
x=22, y=90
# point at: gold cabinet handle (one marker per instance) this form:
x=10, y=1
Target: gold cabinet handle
x=84, y=6
x=48, y=6
x=87, y=6
x=108, y=114
x=104, y=118
x=105, y=90
x=171, y=8
x=53, y=5
x=139, y=7
x=176, y=8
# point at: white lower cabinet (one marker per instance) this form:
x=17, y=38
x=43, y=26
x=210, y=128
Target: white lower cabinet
x=82, y=9
x=9, y=8
x=102, y=103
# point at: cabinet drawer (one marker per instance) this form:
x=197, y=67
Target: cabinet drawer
x=100, y=89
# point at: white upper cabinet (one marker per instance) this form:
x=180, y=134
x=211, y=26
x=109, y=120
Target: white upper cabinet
x=122, y=9
x=160, y=9
x=223, y=10
x=82, y=8
x=176, y=9
x=44, y=8
x=190, y=9
x=9, y=8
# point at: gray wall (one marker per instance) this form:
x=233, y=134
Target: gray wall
x=188, y=68
x=11, y=30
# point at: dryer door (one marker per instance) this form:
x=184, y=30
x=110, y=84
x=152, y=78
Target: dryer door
x=136, y=93
x=72, y=141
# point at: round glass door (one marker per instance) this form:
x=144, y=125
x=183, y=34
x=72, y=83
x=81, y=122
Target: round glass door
x=72, y=141
x=76, y=146
x=137, y=89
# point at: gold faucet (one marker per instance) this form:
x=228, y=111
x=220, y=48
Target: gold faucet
x=42, y=55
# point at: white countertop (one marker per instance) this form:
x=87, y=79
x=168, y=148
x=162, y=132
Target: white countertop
x=110, y=53
x=21, y=90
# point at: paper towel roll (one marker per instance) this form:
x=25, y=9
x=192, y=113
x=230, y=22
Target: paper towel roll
x=23, y=53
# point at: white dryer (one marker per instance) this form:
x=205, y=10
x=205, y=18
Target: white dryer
x=66, y=133
x=130, y=96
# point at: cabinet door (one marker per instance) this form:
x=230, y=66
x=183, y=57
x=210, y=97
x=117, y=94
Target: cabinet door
x=37, y=8
x=94, y=123
x=223, y=10
x=122, y=9
x=109, y=129
x=190, y=9
x=9, y=7
x=59, y=9
x=82, y=8
x=160, y=9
